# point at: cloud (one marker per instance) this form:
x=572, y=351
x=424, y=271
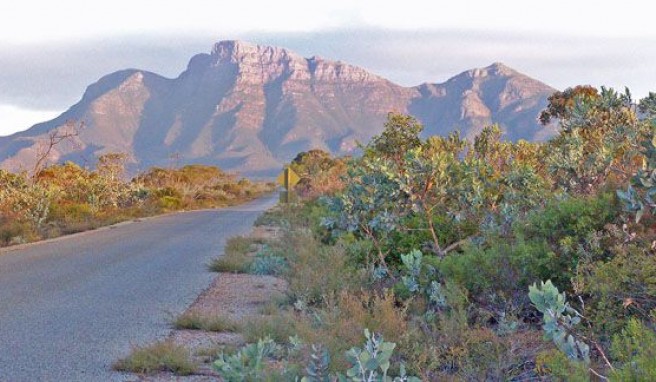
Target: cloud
x=53, y=76
x=14, y=119
x=48, y=76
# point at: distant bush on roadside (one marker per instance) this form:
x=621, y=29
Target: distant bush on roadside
x=67, y=198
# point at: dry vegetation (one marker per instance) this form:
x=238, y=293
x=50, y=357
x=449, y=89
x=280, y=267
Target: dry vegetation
x=163, y=356
x=63, y=199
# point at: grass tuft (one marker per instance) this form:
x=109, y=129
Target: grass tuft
x=238, y=256
x=279, y=327
x=209, y=323
x=163, y=356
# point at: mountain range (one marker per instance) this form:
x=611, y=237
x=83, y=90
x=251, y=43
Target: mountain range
x=251, y=108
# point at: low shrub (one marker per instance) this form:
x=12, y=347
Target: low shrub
x=317, y=271
x=263, y=264
x=279, y=327
x=635, y=351
x=500, y=267
x=161, y=356
x=620, y=289
x=248, y=364
x=210, y=323
x=345, y=316
x=237, y=257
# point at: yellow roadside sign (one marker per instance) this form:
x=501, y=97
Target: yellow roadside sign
x=288, y=178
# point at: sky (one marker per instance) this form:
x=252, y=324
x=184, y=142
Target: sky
x=50, y=51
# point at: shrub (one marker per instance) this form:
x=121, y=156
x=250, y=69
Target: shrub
x=317, y=271
x=635, y=350
x=169, y=203
x=568, y=227
x=248, y=364
x=266, y=262
x=620, y=289
x=237, y=257
x=14, y=231
x=339, y=324
x=556, y=364
x=279, y=327
x=373, y=362
x=560, y=320
x=503, y=267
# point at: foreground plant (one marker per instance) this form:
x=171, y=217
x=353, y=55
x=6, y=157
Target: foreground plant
x=248, y=364
x=372, y=363
x=560, y=321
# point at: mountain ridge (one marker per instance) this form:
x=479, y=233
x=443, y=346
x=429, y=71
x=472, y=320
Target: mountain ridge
x=250, y=108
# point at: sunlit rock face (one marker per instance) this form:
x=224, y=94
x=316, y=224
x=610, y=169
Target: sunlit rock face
x=250, y=108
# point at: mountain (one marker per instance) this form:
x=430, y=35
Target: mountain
x=251, y=108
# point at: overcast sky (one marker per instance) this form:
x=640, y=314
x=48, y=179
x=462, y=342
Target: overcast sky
x=51, y=50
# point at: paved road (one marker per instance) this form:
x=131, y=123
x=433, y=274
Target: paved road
x=71, y=307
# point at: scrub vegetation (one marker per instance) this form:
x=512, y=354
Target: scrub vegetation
x=66, y=198
x=445, y=259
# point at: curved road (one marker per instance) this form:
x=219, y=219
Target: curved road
x=72, y=306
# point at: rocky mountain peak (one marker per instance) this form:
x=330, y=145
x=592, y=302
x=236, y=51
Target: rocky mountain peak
x=251, y=108
x=235, y=51
x=496, y=69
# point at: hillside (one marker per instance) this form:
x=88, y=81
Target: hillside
x=250, y=108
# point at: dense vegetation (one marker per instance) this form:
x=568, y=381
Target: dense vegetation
x=483, y=260
x=67, y=198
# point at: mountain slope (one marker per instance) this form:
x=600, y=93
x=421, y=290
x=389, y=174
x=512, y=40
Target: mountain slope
x=250, y=108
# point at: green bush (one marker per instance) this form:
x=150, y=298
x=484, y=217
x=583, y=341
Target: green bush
x=415, y=234
x=502, y=266
x=635, y=351
x=568, y=227
x=621, y=288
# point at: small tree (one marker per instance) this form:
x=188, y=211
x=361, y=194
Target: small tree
x=401, y=134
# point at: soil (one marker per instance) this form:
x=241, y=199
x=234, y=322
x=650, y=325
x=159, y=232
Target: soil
x=238, y=297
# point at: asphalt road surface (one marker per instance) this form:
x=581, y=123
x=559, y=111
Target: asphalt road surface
x=71, y=307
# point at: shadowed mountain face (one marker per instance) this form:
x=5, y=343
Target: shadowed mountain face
x=251, y=108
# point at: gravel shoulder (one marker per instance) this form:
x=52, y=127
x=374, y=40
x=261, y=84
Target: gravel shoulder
x=238, y=297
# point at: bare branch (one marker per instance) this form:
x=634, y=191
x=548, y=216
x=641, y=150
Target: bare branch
x=55, y=137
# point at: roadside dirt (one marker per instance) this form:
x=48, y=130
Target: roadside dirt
x=238, y=297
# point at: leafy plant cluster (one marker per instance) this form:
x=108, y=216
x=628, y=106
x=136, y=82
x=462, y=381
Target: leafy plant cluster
x=368, y=364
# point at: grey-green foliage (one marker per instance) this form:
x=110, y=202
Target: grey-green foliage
x=599, y=134
x=248, y=363
x=317, y=369
x=369, y=364
x=267, y=263
x=416, y=283
x=412, y=269
x=559, y=320
x=643, y=181
x=369, y=204
x=372, y=363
